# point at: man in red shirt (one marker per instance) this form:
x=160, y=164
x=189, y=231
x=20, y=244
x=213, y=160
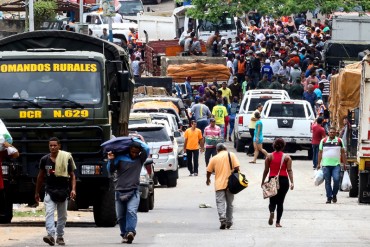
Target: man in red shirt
x=12, y=152
x=318, y=133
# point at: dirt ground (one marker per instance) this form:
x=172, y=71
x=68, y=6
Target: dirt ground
x=12, y=233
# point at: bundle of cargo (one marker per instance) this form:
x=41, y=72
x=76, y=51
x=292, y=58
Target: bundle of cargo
x=198, y=72
x=344, y=93
x=150, y=91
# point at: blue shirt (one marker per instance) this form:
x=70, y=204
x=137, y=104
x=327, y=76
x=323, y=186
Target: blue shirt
x=259, y=138
x=318, y=93
x=267, y=69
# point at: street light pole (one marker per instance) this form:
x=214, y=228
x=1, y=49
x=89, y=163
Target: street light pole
x=31, y=16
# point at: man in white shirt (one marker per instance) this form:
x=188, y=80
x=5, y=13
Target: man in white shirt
x=184, y=36
x=230, y=66
x=275, y=64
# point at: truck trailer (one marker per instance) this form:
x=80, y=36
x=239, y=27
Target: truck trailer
x=68, y=85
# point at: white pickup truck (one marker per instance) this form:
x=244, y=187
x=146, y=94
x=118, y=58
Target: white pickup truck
x=249, y=104
x=290, y=120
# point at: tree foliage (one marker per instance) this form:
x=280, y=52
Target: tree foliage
x=44, y=10
x=213, y=9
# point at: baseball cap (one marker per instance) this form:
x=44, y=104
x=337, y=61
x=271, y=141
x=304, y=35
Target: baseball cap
x=319, y=102
x=267, y=61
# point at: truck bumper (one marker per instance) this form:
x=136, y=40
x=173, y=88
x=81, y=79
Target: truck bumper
x=244, y=135
x=299, y=140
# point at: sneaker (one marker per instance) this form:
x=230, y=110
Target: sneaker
x=124, y=240
x=195, y=174
x=328, y=201
x=49, y=240
x=223, y=225
x=335, y=199
x=130, y=237
x=271, y=219
x=228, y=225
x=60, y=241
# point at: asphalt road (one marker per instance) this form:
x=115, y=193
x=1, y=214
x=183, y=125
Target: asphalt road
x=177, y=219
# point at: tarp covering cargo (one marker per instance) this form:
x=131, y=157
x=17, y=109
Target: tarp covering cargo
x=155, y=105
x=344, y=93
x=198, y=71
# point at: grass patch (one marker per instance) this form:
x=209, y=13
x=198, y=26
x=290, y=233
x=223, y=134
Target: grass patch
x=32, y=213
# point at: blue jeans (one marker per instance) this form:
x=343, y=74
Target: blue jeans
x=232, y=123
x=315, y=154
x=331, y=172
x=61, y=208
x=127, y=213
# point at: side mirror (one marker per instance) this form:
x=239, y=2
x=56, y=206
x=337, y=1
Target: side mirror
x=176, y=134
x=122, y=81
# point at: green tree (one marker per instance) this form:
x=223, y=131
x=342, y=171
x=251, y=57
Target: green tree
x=212, y=9
x=44, y=10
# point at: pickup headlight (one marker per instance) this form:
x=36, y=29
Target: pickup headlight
x=91, y=169
x=5, y=170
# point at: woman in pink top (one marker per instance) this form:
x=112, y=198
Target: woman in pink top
x=272, y=166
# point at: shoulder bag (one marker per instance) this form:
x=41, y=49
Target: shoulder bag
x=271, y=187
x=237, y=181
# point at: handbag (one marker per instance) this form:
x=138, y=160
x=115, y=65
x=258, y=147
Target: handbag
x=237, y=181
x=271, y=187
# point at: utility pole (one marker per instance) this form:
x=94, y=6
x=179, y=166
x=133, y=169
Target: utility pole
x=31, y=16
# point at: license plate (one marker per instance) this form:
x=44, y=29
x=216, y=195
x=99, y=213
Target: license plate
x=155, y=156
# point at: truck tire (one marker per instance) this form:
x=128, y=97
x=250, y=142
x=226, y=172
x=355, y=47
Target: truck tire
x=162, y=180
x=8, y=214
x=144, y=205
x=105, y=209
x=353, y=176
x=171, y=182
x=240, y=145
x=151, y=201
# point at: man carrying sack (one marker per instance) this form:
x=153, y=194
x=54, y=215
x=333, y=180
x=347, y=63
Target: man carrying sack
x=220, y=165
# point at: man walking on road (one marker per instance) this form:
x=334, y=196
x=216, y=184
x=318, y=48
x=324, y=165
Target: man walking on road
x=201, y=113
x=193, y=138
x=58, y=167
x=220, y=165
x=126, y=169
x=330, y=156
x=318, y=133
x=212, y=130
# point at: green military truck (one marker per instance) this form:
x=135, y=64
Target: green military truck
x=72, y=86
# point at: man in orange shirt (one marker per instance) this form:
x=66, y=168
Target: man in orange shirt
x=220, y=165
x=193, y=139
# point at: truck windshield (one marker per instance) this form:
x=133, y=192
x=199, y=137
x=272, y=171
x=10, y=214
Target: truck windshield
x=225, y=23
x=130, y=7
x=78, y=81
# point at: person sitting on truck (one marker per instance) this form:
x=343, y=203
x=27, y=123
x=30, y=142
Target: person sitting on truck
x=210, y=40
x=184, y=36
x=105, y=34
x=192, y=45
x=136, y=67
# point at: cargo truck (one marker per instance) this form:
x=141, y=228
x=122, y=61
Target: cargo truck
x=69, y=85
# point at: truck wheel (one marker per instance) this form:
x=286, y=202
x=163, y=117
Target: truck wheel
x=144, y=205
x=151, y=201
x=240, y=145
x=162, y=179
x=8, y=212
x=171, y=182
x=105, y=209
x=309, y=154
x=353, y=176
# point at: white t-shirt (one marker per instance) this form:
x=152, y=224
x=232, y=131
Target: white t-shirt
x=229, y=64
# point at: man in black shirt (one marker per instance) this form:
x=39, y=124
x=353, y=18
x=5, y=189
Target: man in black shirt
x=58, y=168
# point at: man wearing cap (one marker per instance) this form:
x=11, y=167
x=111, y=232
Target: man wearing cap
x=220, y=166
x=236, y=88
x=267, y=70
x=201, y=112
x=212, y=130
x=193, y=140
